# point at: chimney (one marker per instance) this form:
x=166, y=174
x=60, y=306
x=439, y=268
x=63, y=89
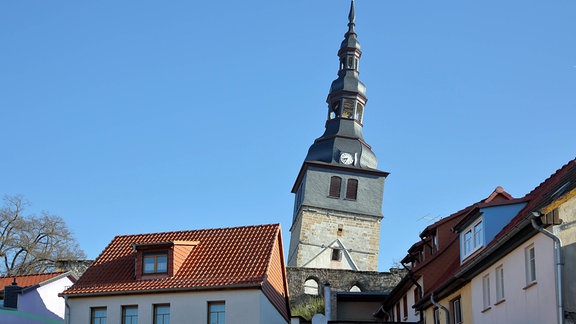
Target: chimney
x=11, y=295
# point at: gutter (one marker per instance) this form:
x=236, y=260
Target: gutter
x=559, y=264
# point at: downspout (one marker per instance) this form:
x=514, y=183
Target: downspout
x=327, y=302
x=66, y=310
x=440, y=306
x=559, y=263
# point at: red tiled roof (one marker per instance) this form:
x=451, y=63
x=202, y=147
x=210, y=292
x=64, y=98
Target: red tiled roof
x=28, y=280
x=223, y=258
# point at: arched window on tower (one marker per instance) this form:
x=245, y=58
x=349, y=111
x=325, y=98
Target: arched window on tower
x=311, y=287
x=335, y=184
x=359, y=112
x=355, y=288
x=348, y=108
x=351, y=189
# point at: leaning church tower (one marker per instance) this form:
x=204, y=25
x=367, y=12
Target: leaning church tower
x=338, y=191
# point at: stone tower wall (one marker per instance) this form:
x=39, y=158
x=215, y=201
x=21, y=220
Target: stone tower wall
x=315, y=231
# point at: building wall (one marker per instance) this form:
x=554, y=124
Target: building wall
x=315, y=231
x=242, y=306
x=522, y=303
x=465, y=294
x=41, y=305
x=339, y=280
x=567, y=233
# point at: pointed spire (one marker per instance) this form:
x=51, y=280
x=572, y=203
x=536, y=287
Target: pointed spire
x=346, y=101
x=351, y=18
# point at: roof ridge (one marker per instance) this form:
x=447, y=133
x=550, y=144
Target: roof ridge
x=197, y=230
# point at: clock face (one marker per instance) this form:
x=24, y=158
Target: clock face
x=346, y=158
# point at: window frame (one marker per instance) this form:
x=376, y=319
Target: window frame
x=218, y=313
x=351, y=189
x=405, y=306
x=336, y=254
x=155, y=255
x=472, y=238
x=486, y=302
x=456, y=305
x=334, y=191
x=436, y=312
x=100, y=319
x=132, y=317
x=530, y=264
x=500, y=292
x=156, y=314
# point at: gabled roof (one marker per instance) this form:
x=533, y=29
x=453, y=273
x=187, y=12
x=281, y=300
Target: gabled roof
x=516, y=231
x=25, y=281
x=223, y=258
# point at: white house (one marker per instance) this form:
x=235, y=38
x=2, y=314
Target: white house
x=226, y=275
x=33, y=299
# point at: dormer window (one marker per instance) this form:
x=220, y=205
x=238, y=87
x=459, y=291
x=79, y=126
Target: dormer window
x=472, y=238
x=155, y=262
x=160, y=259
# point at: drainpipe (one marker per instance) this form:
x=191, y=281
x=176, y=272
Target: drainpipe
x=327, y=302
x=440, y=306
x=66, y=310
x=559, y=263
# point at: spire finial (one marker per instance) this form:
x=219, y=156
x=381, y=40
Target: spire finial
x=352, y=14
x=351, y=19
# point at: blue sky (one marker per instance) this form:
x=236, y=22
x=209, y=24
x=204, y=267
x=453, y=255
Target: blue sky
x=145, y=116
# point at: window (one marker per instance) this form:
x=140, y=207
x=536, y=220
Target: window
x=436, y=315
x=355, y=288
x=340, y=229
x=472, y=239
x=456, y=311
x=530, y=265
x=348, y=106
x=359, y=112
x=336, y=254
x=311, y=287
x=129, y=314
x=499, y=284
x=351, y=189
x=155, y=262
x=162, y=314
x=335, y=183
x=398, y=312
x=486, y=290
x=416, y=295
x=405, y=306
x=98, y=315
x=216, y=313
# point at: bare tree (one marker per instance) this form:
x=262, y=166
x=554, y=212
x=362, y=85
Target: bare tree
x=33, y=244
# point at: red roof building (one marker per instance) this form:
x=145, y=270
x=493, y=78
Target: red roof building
x=236, y=273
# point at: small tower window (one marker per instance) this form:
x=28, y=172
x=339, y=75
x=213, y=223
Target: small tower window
x=351, y=189
x=334, y=110
x=348, y=108
x=336, y=254
x=335, y=184
x=351, y=62
x=355, y=288
x=340, y=229
x=359, y=112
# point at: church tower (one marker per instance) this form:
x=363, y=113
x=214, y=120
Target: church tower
x=338, y=191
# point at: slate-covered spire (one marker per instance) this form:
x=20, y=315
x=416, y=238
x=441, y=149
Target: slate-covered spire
x=346, y=101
